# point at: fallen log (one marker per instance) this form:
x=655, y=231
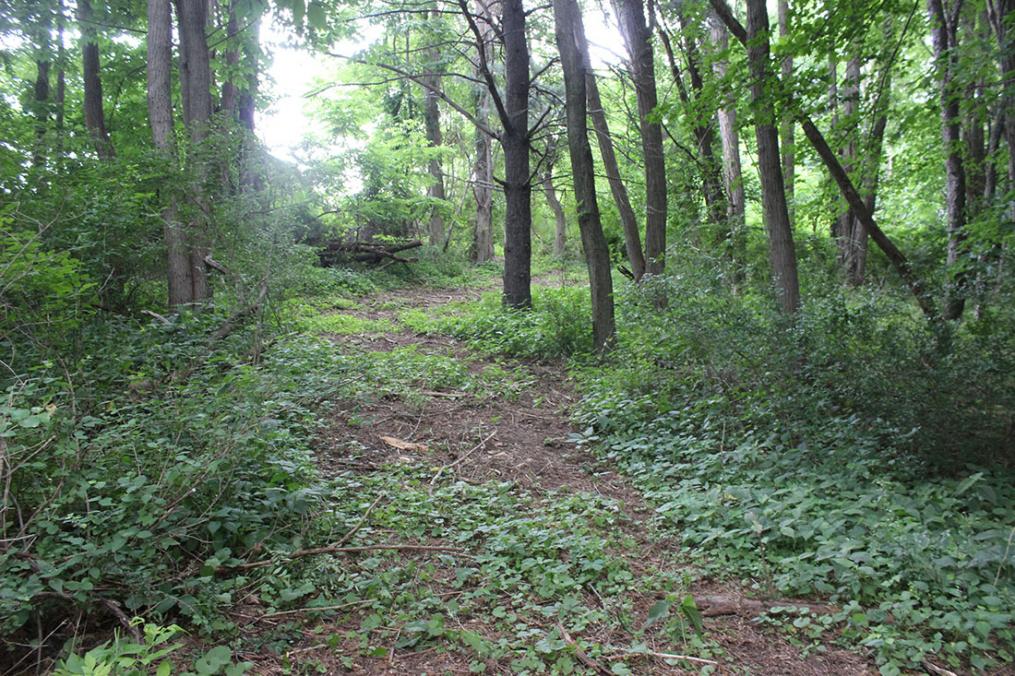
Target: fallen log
x=372, y=253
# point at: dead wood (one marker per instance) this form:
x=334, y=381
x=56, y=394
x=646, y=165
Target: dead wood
x=336, y=251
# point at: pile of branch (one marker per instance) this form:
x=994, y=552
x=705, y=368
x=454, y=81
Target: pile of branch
x=372, y=253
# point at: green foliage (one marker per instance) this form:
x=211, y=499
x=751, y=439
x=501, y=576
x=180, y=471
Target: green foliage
x=559, y=326
x=827, y=456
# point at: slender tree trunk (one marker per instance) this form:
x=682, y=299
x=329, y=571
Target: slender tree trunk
x=482, y=186
x=597, y=257
x=848, y=154
x=95, y=116
x=944, y=33
x=195, y=83
x=229, y=101
x=160, y=118
x=1001, y=13
x=432, y=121
x=560, y=221
x=735, y=245
x=786, y=126
x=773, y=194
x=628, y=220
x=638, y=38
x=41, y=104
x=517, y=175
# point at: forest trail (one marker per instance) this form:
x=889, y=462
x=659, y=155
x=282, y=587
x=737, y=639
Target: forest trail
x=508, y=427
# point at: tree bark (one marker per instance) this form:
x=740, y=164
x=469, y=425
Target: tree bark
x=160, y=118
x=944, y=36
x=41, y=105
x=628, y=220
x=638, y=39
x=432, y=122
x=848, y=156
x=1001, y=12
x=729, y=136
x=482, y=182
x=95, y=116
x=568, y=23
x=560, y=220
x=773, y=195
x=786, y=126
x=195, y=84
x=517, y=175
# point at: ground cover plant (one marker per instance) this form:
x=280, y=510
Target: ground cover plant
x=834, y=457
x=466, y=337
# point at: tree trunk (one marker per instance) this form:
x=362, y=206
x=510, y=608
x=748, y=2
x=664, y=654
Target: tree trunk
x=567, y=19
x=195, y=83
x=95, y=117
x=735, y=245
x=628, y=221
x=560, y=221
x=160, y=117
x=848, y=155
x=229, y=102
x=432, y=121
x=41, y=105
x=786, y=126
x=638, y=38
x=482, y=186
x=517, y=175
x=773, y=195
x=944, y=38
x=1001, y=12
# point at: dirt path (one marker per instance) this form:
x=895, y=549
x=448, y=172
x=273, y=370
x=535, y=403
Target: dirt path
x=511, y=426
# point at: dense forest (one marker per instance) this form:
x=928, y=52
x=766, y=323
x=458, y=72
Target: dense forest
x=612, y=337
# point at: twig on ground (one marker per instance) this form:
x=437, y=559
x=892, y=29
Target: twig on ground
x=359, y=524
x=582, y=656
x=935, y=669
x=460, y=460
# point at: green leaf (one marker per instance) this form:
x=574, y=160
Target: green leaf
x=316, y=16
x=658, y=611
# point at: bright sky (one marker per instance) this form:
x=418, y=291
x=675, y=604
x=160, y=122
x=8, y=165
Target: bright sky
x=294, y=72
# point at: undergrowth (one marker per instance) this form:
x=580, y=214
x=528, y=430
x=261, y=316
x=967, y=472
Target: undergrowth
x=856, y=454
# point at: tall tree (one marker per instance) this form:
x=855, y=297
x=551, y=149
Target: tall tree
x=482, y=170
x=160, y=118
x=786, y=124
x=628, y=220
x=515, y=139
x=704, y=134
x=773, y=194
x=567, y=20
x=95, y=116
x=729, y=137
x=638, y=40
x=559, y=219
x=432, y=123
x=944, y=21
x=195, y=86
